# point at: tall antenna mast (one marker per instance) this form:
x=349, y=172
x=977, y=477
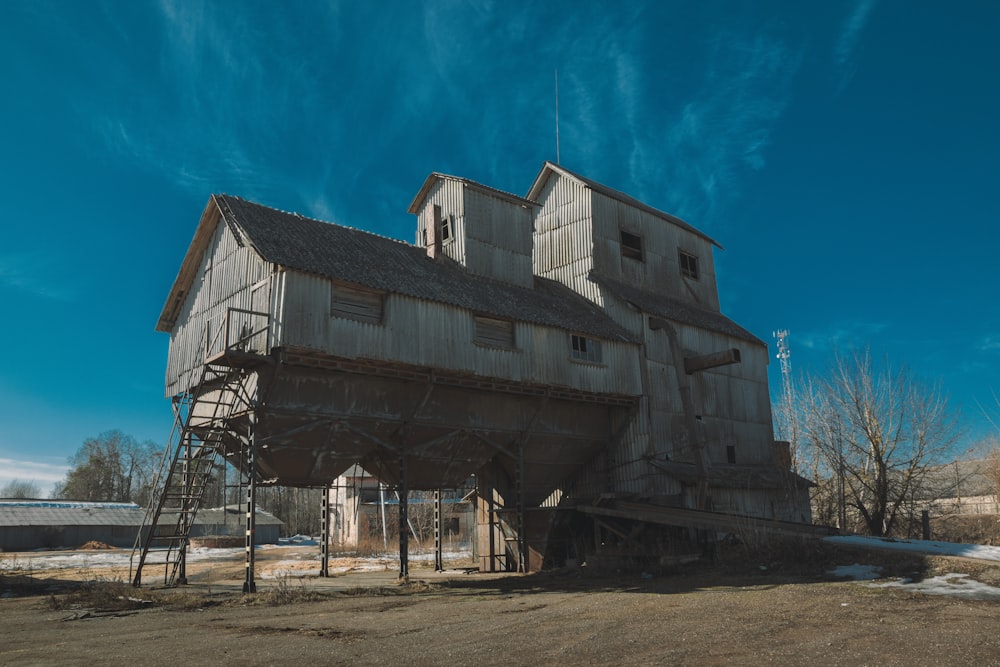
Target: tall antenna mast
x=784, y=356
x=558, y=161
x=787, y=422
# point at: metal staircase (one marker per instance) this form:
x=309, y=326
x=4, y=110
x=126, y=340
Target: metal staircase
x=201, y=433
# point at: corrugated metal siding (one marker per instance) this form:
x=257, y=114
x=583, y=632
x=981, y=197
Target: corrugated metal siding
x=499, y=237
x=450, y=196
x=563, y=234
x=426, y=333
x=226, y=279
x=492, y=236
x=659, y=271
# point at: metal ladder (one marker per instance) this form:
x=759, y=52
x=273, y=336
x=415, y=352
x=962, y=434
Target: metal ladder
x=196, y=441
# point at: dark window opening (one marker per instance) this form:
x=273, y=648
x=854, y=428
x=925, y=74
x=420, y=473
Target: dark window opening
x=585, y=349
x=689, y=265
x=731, y=453
x=631, y=245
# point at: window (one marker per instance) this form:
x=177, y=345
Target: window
x=731, y=453
x=631, y=245
x=585, y=349
x=689, y=265
x=353, y=303
x=445, y=228
x=494, y=332
x=445, y=225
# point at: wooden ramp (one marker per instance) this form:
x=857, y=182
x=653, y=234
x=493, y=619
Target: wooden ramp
x=701, y=519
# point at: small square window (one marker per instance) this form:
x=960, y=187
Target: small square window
x=357, y=304
x=585, y=349
x=689, y=265
x=631, y=245
x=493, y=332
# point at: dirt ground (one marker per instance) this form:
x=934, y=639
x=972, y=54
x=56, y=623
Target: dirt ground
x=779, y=612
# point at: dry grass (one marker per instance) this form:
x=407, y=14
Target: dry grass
x=409, y=588
x=101, y=596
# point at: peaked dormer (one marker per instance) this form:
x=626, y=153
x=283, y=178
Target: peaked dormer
x=487, y=231
x=584, y=228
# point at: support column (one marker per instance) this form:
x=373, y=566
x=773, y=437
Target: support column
x=522, y=541
x=438, y=533
x=249, y=585
x=404, y=523
x=324, y=547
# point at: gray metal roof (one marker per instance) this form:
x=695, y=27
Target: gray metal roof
x=55, y=513
x=363, y=258
x=552, y=168
x=675, y=309
x=957, y=479
x=421, y=195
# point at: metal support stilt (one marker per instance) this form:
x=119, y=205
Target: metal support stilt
x=522, y=542
x=324, y=546
x=491, y=518
x=404, y=523
x=249, y=585
x=438, y=533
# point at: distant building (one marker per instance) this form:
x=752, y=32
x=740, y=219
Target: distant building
x=46, y=524
x=359, y=509
x=960, y=487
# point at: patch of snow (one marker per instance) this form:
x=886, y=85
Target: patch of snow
x=926, y=547
x=857, y=572
x=120, y=558
x=953, y=584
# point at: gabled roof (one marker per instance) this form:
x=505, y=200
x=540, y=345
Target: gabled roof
x=418, y=200
x=366, y=259
x=675, y=309
x=550, y=168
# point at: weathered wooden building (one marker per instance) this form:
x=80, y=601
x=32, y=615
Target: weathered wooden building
x=564, y=347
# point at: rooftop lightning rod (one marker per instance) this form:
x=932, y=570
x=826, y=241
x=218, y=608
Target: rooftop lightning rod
x=557, y=116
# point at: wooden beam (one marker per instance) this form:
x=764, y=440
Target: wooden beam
x=694, y=364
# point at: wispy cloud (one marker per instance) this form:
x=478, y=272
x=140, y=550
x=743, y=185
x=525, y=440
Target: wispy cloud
x=989, y=344
x=222, y=110
x=844, y=335
x=724, y=129
x=845, y=49
x=33, y=273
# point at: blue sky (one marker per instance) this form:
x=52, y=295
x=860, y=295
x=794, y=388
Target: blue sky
x=844, y=153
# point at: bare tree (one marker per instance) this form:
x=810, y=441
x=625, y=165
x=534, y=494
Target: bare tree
x=875, y=432
x=18, y=489
x=993, y=466
x=111, y=467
